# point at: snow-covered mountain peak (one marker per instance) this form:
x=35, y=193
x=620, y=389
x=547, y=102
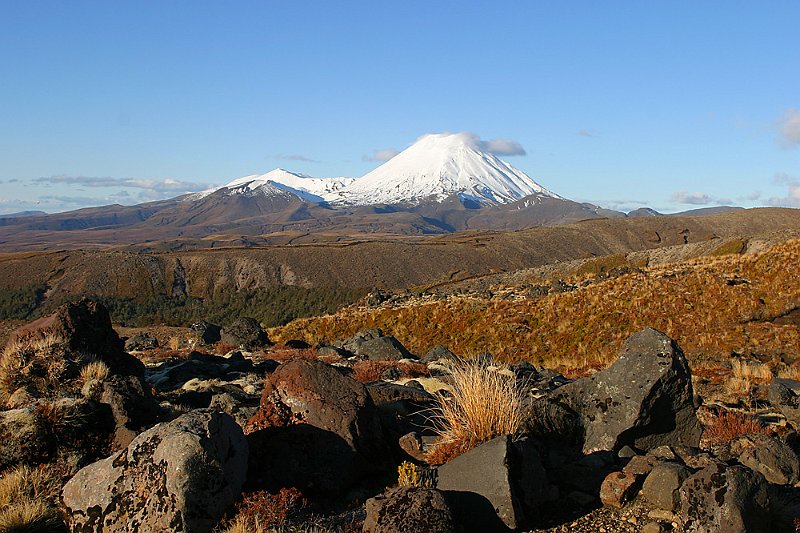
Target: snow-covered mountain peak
x=302, y=185
x=438, y=166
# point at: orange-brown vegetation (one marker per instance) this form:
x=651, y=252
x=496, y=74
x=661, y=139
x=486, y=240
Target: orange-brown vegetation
x=712, y=306
x=262, y=511
x=727, y=426
x=367, y=371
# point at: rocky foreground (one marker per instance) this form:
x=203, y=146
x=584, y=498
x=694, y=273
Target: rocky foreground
x=348, y=436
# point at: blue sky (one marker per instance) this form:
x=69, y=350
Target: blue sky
x=674, y=105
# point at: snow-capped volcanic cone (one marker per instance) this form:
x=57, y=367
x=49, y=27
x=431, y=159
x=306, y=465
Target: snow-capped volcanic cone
x=437, y=167
x=301, y=185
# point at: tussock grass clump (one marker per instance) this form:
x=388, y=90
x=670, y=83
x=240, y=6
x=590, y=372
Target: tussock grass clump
x=36, y=362
x=26, y=496
x=485, y=403
x=261, y=511
x=94, y=370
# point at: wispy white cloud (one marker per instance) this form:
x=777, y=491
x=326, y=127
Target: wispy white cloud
x=792, y=197
x=789, y=128
x=505, y=147
x=167, y=185
x=294, y=157
x=692, y=198
x=587, y=133
x=381, y=155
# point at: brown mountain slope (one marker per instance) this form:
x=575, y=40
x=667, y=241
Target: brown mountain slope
x=390, y=262
x=713, y=306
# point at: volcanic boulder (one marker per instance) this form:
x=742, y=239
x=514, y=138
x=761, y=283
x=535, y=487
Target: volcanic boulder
x=643, y=400
x=85, y=327
x=316, y=429
x=409, y=509
x=177, y=476
x=244, y=332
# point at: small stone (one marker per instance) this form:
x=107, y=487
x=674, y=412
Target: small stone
x=652, y=527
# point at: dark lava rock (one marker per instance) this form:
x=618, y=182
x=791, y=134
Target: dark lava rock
x=438, y=353
x=132, y=406
x=726, y=499
x=784, y=395
x=383, y=349
x=643, y=400
x=297, y=344
x=245, y=332
x=494, y=485
x=178, y=476
x=231, y=399
x=86, y=328
x=141, y=342
x=206, y=333
x=773, y=458
x=173, y=374
x=661, y=485
x=407, y=509
x=351, y=345
x=315, y=429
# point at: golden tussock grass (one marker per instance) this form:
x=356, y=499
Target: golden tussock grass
x=484, y=404
x=95, y=370
x=35, y=361
x=695, y=302
x=25, y=500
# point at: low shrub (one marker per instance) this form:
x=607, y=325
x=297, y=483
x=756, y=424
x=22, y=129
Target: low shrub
x=727, y=426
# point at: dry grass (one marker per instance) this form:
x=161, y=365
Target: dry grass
x=95, y=370
x=26, y=496
x=727, y=426
x=790, y=372
x=484, y=404
x=36, y=362
x=745, y=374
x=692, y=301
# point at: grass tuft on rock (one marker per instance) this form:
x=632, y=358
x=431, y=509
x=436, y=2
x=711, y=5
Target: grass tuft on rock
x=485, y=403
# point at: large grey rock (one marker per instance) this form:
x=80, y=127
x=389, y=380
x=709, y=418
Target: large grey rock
x=140, y=342
x=438, y=353
x=725, y=499
x=500, y=479
x=661, y=485
x=762, y=453
x=245, y=332
x=383, y=349
x=784, y=395
x=316, y=429
x=407, y=509
x=643, y=400
x=177, y=476
x=351, y=345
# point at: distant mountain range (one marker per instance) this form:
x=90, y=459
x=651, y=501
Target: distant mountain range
x=441, y=184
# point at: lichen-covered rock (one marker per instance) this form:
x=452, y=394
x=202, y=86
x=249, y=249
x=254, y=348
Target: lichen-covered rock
x=725, y=499
x=177, y=476
x=406, y=509
x=643, y=400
